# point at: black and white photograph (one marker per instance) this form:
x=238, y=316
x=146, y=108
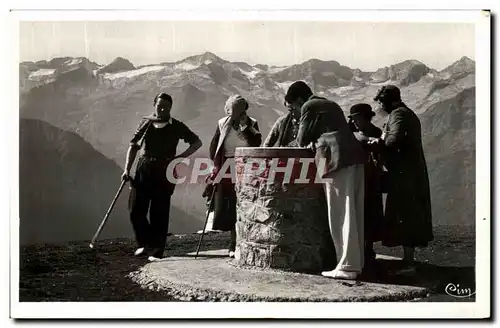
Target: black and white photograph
x=226, y=164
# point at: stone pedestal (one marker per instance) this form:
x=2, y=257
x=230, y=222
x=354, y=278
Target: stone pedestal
x=280, y=224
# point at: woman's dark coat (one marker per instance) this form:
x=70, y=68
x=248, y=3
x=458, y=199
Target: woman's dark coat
x=408, y=215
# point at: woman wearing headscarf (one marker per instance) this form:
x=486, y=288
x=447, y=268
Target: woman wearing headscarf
x=360, y=117
x=236, y=129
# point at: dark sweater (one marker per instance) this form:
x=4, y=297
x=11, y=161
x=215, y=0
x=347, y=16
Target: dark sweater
x=162, y=142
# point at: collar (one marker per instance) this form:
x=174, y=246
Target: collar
x=313, y=96
x=161, y=124
x=155, y=119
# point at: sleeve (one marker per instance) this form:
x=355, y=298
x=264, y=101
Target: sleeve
x=273, y=135
x=213, y=143
x=306, y=128
x=139, y=133
x=396, y=130
x=252, y=134
x=187, y=135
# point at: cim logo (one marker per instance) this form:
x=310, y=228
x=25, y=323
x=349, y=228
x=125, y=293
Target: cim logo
x=457, y=291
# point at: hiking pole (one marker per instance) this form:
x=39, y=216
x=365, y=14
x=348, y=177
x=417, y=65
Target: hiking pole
x=210, y=206
x=103, y=222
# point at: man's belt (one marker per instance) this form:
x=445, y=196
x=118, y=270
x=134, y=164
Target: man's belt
x=157, y=159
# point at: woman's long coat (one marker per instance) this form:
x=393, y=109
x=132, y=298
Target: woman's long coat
x=408, y=215
x=225, y=195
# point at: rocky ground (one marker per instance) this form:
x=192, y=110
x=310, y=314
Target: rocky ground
x=74, y=272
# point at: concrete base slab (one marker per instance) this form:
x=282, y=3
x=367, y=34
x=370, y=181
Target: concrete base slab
x=215, y=277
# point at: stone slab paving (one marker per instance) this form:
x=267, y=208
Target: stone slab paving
x=215, y=277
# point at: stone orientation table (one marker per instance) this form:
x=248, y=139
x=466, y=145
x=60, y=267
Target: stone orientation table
x=214, y=277
x=281, y=224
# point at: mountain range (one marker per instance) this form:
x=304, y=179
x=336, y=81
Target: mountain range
x=103, y=104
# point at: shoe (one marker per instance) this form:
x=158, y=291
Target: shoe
x=207, y=232
x=158, y=254
x=154, y=259
x=339, y=274
x=140, y=251
x=408, y=269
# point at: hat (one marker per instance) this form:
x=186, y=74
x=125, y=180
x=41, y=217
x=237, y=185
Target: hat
x=389, y=92
x=361, y=109
x=233, y=101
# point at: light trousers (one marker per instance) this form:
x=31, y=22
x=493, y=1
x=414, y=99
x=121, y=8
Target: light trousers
x=345, y=201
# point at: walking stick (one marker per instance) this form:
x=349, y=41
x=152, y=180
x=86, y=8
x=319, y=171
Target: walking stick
x=103, y=222
x=210, y=206
x=141, y=140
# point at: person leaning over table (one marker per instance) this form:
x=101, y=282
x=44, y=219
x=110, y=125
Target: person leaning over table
x=323, y=124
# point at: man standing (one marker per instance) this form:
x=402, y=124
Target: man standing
x=151, y=189
x=323, y=124
x=285, y=129
x=408, y=214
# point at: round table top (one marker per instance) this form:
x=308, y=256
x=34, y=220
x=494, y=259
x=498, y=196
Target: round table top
x=268, y=152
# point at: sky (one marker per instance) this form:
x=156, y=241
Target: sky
x=367, y=46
